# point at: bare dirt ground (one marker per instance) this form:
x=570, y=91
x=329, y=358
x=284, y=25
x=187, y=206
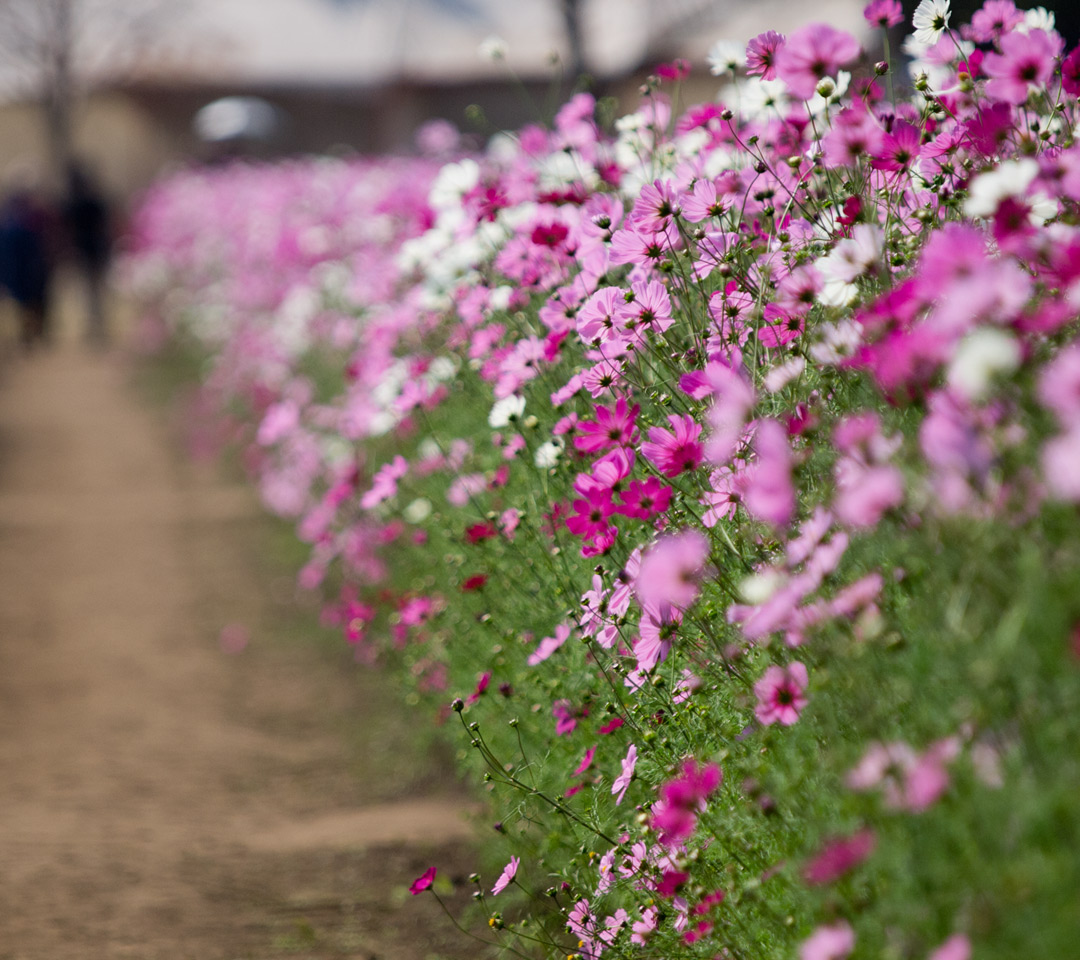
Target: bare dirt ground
x=161, y=798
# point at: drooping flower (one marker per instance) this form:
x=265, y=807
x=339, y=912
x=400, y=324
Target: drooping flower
x=508, y=874
x=761, y=54
x=622, y=782
x=423, y=882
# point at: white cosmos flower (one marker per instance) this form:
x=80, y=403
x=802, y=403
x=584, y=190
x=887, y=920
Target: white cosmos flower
x=1038, y=18
x=930, y=20
x=981, y=355
x=505, y=410
x=726, y=56
x=1011, y=178
x=548, y=453
x=417, y=511
x=492, y=48
x=838, y=341
x=760, y=98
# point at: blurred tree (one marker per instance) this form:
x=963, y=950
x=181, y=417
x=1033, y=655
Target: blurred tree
x=51, y=50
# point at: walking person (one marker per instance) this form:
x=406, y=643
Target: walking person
x=26, y=262
x=86, y=218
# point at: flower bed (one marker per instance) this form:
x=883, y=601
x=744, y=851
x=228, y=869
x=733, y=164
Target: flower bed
x=717, y=478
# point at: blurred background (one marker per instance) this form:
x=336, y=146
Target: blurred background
x=132, y=87
x=135, y=86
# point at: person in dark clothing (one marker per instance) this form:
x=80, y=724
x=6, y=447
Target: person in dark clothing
x=86, y=218
x=25, y=263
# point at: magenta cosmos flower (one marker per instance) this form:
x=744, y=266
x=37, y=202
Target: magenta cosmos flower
x=813, y=53
x=781, y=694
x=675, y=450
x=423, y=882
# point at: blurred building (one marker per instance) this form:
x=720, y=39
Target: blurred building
x=364, y=74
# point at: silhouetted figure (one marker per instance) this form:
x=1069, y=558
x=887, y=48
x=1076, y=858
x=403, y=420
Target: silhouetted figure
x=25, y=263
x=86, y=217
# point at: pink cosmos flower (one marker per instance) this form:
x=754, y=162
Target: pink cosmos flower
x=769, y=494
x=622, y=782
x=781, y=694
x=655, y=207
x=1059, y=385
x=1025, y=60
x=644, y=928
x=840, y=855
x=586, y=762
x=384, y=484
x=828, y=943
x=1061, y=465
x=566, y=716
x=994, y=19
x=865, y=493
x=549, y=645
x=509, y=871
x=761, y=54
x=705, y=202
x=671, y=570
x=674, y=815
x=423, y=882
x=650, y=306
x=899, y=148
x=957, y=947
x=676, y=450
x=602, y=315
x=884, y=13
x=812, y=53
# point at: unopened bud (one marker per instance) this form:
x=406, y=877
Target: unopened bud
x=826, y=88
x=881, y=68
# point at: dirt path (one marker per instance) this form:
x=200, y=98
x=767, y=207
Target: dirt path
x=159, y=796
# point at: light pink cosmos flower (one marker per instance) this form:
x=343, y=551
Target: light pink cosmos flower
x=384, y=483
x=1025, y=60
x=1061, y=465
x=995, y=18
x=622, y=781
x=781, y=694
x=549, y=645
x=769, y=494
x=957, y=947
x=884, y=13
x=509, y=871
x=910, y=780
x=812, y=53
x=644, y=928
x=671, y=570
x=828, y=943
